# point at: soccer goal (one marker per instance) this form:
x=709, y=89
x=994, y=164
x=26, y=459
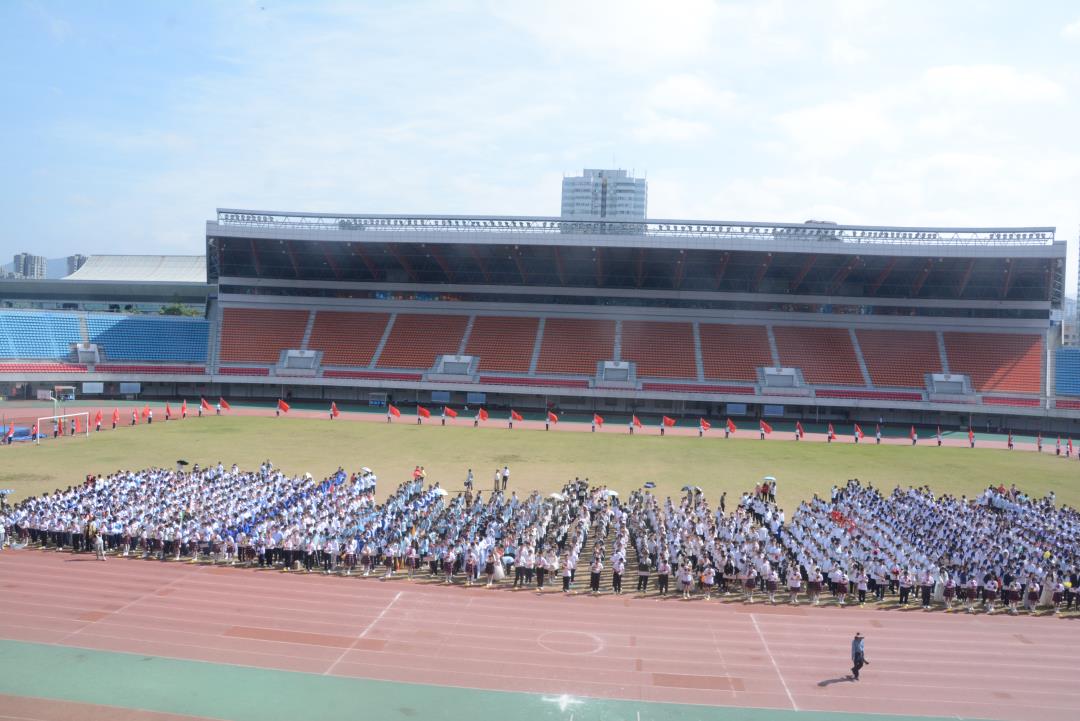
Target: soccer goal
x=67, y=424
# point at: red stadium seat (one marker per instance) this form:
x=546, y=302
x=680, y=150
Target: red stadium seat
x=900, y=358
x=41, y=368
x=235, y=371
x=533, y=381
x=503, y=343
x=855, y=394
x=149, y=369
x=259, y=335
x=575, y=345
x=825, y=355
x=734, y=352
x=704, y=388
x=347, y=339
x=1006, y=362
x=416, y=340
x=1011, y=401
x=660, y=350
x=373, y=375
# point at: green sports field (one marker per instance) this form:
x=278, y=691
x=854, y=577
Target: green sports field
x=537, y=460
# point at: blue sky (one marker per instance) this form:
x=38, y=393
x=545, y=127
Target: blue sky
x=125, y=124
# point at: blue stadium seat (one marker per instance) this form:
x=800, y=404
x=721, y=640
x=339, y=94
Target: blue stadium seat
x=37, y=334
x=126, y=338
x=1067, y=373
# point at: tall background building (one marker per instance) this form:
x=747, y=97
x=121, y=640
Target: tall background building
x=74, y=262
x=604, y=195
x=31, y=266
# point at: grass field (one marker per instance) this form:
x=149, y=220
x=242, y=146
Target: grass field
x=537, y=460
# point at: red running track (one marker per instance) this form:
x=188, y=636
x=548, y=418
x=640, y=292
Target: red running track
x=650, y=649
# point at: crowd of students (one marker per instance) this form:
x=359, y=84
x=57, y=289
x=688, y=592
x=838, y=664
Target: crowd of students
x=859, y=546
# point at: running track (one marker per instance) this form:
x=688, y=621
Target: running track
x=562, y=655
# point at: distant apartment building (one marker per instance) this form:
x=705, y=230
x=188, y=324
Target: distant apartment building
x=31, y=266
x=74, y=262
x=599, y=194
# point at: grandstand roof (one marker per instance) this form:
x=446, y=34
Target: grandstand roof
x=155, y=268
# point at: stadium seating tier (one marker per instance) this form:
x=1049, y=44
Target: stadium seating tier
x=416, y=340
x=259, y=335
x=127, y=338
x=733, y=352
x=503, y=343
x=575, y=345
x=347, y=339
x=38, y=335
x=660, y=350
x=899, y=358
x=826, y=356
x=1008, y=362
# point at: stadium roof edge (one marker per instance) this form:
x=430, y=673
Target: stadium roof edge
x=265, y=216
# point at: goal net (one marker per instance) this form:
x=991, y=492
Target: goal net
x=67, y=424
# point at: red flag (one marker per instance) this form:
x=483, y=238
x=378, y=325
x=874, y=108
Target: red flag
x=911, y=433
x=832, y=432
x=11, y=429
x=334, y=412
x=1070, y=445
x=669, y=422
x=765, y=427
x=134, y=415
x=515, y=416
x=392, y=410
x=482, y=415
x=116, y=415
x=204, y=404
x=798, y=427
x=939, y=431
x=423, y=412
x=183, y=408
x=730, y=425
x=97, y=418
x=33, y=433
x=971, y=435
x=146, y=412
x=1010, y=438
x=168, y=409
x=552, y=418
x=705, y=425
x=598, y=419
x=449, y=412
x=282, y=406
x=78, y=427
x=636, y=421
x=858, y=432
x=224, y=404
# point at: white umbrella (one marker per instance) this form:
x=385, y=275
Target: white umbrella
x=769, y=478
x=557, y=496
x=365, y=469
x=441, y=492
x=609, y=492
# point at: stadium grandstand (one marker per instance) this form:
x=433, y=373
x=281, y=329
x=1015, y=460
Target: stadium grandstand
x=946, y=326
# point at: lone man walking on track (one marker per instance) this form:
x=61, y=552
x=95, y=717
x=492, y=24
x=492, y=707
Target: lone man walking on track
x=858, y=655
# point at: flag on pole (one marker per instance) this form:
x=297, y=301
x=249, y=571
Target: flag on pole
x=515, y=416
x=78, y=427
x=205, y=406
x=705, y=425
x=598, y=419
x=224, y=404
x=282, y=406
x=765, y=427
x=392, y=410
x=97, y=418
x=798, y=428
x=858, y=432
x=482, y=415
x=636, y=421
x=449, y=412
x=668, y=421
x=146, y=412
x=832, y=433
x=911, y=433
x=552, y=418
x=730, y=425
x=334, y=412
x=423, y=412
x=11, y=430
x=183, y=408
x=971, y=435
x=1069, y=446
x=168, y=410
x=115, y=416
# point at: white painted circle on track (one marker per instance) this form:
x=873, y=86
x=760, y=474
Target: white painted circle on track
x=571, y=643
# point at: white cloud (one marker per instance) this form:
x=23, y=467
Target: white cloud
x=989, y=84
x=655, y=127
x=1072, y=30
x=681, y=93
